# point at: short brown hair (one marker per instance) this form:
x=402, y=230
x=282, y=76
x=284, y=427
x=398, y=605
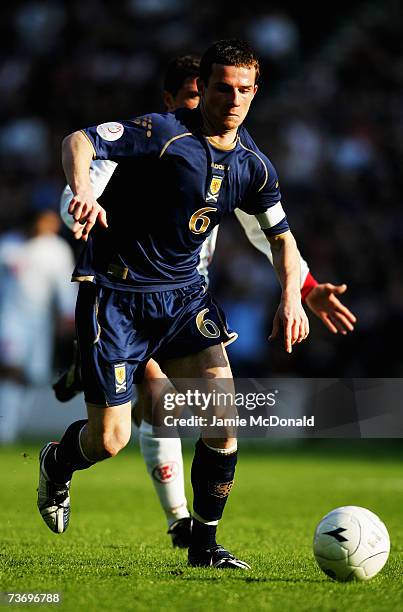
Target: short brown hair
x=231, y=52
x=180, y=69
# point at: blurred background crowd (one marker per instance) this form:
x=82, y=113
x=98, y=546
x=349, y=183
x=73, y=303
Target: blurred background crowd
x=328, y=114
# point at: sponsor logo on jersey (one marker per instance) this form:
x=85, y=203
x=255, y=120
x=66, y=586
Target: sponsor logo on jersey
x=120, y=377
x=166, y=472
x=145, y=122
x=110, y=131
x=219, y=166
x=214, y=189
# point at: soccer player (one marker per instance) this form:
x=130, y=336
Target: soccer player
x=163, y=456
x=140, y=292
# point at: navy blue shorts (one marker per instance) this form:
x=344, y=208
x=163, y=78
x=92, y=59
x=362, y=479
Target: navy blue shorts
x=119, y=331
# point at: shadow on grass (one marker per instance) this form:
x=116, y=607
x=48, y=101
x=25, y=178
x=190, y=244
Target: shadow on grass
x=234, y=575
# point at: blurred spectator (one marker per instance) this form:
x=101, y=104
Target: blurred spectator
x=38, y=25
x=304, y=152
x=274, y=35
x=35, y=268
x=25, y=141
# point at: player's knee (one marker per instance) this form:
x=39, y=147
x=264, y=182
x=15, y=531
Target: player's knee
x=109, y=447
x=113, y=443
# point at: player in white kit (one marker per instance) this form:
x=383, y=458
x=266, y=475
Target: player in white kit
x=35, y=264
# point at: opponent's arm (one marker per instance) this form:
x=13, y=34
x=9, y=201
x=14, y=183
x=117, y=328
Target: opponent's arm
x=323, y=302
x=290, y=311
x=77, y=154
x=320, y=297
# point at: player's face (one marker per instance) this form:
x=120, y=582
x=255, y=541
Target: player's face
x=228, y=95
x=187, y=97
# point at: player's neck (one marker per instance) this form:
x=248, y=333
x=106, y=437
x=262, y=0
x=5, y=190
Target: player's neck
x=223, y=142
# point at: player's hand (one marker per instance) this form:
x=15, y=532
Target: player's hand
x=291, y=315
x=86, y=212
x=323, y=302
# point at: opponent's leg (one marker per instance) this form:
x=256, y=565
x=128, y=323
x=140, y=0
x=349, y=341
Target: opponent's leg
x=84, y=443
x=163, y=459
x=214, y=461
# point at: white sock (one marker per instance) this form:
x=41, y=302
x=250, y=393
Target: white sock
x=163, y=458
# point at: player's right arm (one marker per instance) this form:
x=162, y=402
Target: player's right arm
x=77, y=154
x=145, y=136
x=101, y=171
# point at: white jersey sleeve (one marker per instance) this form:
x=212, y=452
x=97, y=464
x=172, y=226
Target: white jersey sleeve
x=101, y=171
x=207, y=252
x=258, y=238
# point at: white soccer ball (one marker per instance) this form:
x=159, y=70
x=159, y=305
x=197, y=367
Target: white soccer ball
x=351, y=543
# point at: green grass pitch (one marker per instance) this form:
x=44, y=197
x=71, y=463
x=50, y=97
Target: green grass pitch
x=116, y=555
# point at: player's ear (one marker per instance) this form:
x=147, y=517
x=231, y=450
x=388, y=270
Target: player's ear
x=256, y=87
x=200, y=86
x=168, y=101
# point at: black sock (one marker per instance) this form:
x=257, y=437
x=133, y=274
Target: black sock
x=203, y=536
x=212, y=480
x=66, y=457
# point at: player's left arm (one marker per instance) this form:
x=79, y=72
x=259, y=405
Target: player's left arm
x=263, y=199
x=290, y=311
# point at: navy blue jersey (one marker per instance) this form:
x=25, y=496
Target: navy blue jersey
x=171, y=186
